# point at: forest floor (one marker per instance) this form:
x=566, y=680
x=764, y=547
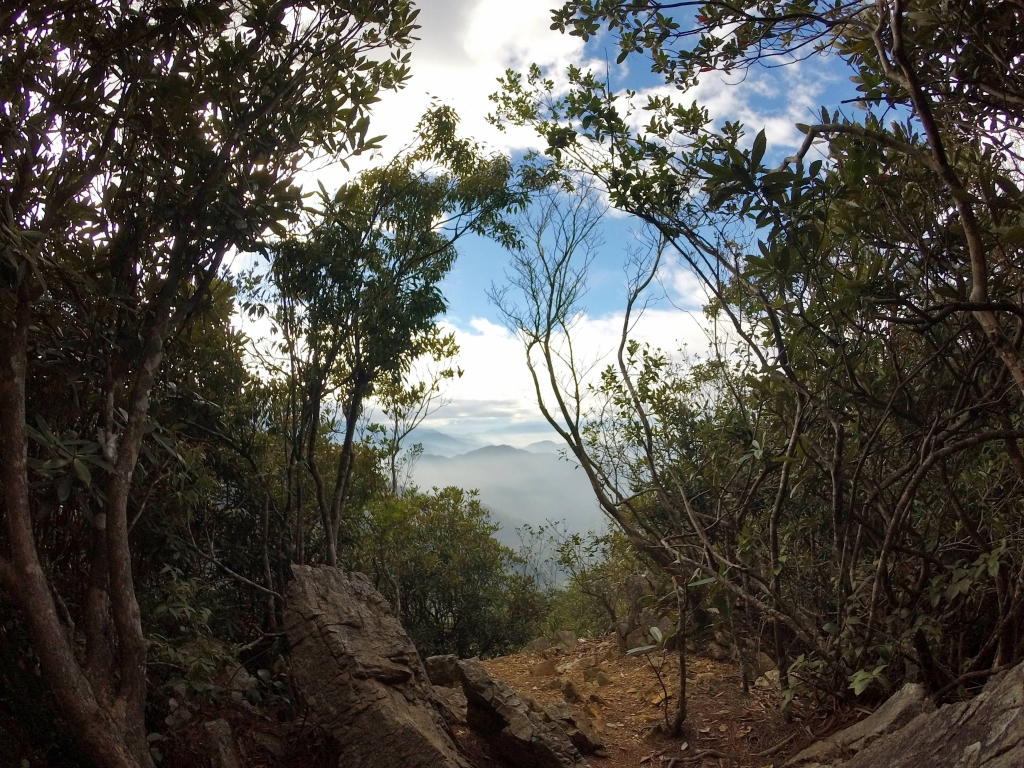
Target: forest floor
x=724, y=727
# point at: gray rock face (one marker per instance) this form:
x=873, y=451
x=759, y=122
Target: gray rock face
x=527, y=739
x=985, y=732
x=902, y=707
x=452, y=702
x=578, y=728
x=361, y=675
x=443, y=670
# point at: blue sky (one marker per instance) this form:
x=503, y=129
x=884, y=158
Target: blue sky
x=465, y=45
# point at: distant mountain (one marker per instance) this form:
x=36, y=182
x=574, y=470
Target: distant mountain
x=530, y=487
x=544, y=446
x=439, y=444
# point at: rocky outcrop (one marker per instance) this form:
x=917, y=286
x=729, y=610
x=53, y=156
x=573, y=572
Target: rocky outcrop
x=443, y=670
x=361, y=676
x=985, y=732
x=577, y=727
x=900, y=709
x=526, y=737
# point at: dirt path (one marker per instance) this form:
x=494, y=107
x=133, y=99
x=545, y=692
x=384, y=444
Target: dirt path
x=725, y=726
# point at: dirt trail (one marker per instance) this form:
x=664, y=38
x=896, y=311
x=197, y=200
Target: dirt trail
x=725, y=726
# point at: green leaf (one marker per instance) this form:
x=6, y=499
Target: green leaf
x=702, y=582
x=82, y=471
x=757, y=153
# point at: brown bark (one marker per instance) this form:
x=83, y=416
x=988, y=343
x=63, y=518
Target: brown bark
x=113, y=736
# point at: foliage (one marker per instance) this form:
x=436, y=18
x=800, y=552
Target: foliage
x=140, y=144
x=355, y=298
x=456, y=589
x=857, y=415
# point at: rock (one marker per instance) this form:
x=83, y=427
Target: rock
x=453, y=704
x=763, y=663
x=638, y=638
x=443, y=670
x=539, y=644
x=602, y=678
x=546, y=668
x=242, y=684
x=220, y=744
x=570, y=691
x=716, y=652
x=591, y=673
x=985, y=732
x=902, y=707
x=564, y=640
x=526, y=739
x=578, y=728
x=269, y=742
x=360, y=674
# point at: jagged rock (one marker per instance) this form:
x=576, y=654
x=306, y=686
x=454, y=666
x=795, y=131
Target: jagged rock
x=526, y=739
x=443, y=670
x=985, y=732
x=453, y=704
x=360, y=674
x=220, y=744
x=907, y=732
x=577, y=727
x=902, y=707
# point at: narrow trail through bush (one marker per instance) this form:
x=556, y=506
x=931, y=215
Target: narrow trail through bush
x=725, y=727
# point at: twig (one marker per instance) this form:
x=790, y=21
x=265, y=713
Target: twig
x=237, y=576
x=772, y=750
x=705, y=753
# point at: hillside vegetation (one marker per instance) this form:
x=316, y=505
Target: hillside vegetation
x=837, y=485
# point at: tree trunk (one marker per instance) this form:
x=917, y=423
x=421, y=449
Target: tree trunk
x=107, y=716
x=680, y=718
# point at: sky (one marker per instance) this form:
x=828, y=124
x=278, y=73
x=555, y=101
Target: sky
x=464, y=46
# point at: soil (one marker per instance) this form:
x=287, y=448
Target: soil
x=724, y=727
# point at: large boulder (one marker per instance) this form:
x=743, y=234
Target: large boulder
x=361, y=676
x=985, y=732
x=525, y=737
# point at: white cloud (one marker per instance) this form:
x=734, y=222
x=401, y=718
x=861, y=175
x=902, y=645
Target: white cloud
x=496, y=395
x=464, y=47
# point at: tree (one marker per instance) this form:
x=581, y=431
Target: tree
x=141, y=143
x=454, y=586
x=405, y=405
x=357, y=297
x=878, y=319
